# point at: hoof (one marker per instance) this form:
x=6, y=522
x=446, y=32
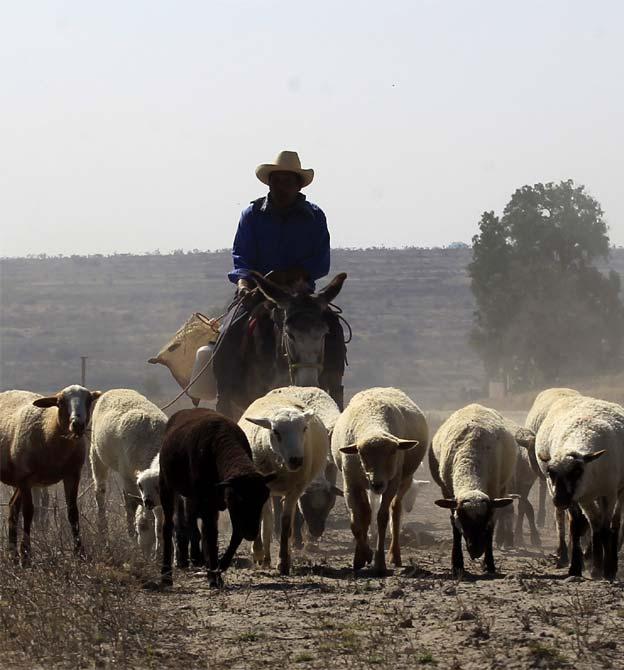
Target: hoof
x=215, y=579
x=536, y=541
x=166, y=579
x=562, y=561
x=284, y=568
x=575, y=571
x=182, y=565
x=457, y=573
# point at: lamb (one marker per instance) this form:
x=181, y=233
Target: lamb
x=319, y=498
x=148, y=528
x=206, y=458
x=287, y=439
x=127, y=432
x=378, y=442
x=42, y=441
x=583, y=459
x=540, y=408
x=472, y=459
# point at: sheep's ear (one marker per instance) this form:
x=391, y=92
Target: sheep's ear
x=95, y=395
x=501, y=502
x=269, y=477
x=525, y=438
x=588, y=458
x=544, y=458
x=336, y=491
x=263, y=423
x=407, y=444
x=49, y=401
x=350, y=449
x=447, y=503
x=332, y=289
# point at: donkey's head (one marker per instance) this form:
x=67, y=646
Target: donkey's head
x=304, y=325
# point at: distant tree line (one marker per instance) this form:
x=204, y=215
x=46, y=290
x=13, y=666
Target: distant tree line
x=544, y=310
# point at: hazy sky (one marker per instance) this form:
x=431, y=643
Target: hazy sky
x=131, y=126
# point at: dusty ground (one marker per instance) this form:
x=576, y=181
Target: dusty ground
x=106, y=611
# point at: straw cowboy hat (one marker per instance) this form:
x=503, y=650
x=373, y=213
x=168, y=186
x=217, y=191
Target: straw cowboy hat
x=286, y=161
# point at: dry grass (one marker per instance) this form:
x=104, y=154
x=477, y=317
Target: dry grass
x=66, y=611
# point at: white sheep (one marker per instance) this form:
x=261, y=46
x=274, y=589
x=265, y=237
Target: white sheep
x=472, y=458
x=583, y=461
x=319, y=498
x=540, y=408
x=292, y=442
x=548, y=406
x=127, y=434
x=378, y=442
x=148, y=517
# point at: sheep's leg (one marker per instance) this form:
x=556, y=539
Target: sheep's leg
x=562, y=549
x=131, y=503
x=71, y=484
x=100, y=474
x=504, y=527
x=576, y=532
x=15, y=505
x=541, y=510
x=144, y=524
x=181, y=532
x=360, y=510
x=226, y=559
x=210, y=545
x=298, y=528
x=277, y=516
x=28, y=511
x=288, y=516
x=488, y=561
x=167, y=502
x=396, y=508
x=158, y=529
x=267, y=530
x=529, y=512
x=611, y=550
x=457, y=555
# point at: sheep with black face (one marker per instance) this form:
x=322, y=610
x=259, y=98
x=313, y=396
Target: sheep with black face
x=473, y=458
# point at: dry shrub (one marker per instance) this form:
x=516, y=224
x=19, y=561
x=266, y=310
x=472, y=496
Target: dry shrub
x=67, y=611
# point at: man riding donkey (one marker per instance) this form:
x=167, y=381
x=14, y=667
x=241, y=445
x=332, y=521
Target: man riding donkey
x=282, y=235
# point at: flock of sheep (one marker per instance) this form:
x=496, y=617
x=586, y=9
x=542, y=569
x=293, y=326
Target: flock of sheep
x=279, y=466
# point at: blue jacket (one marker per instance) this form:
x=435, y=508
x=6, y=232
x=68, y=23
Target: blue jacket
x=268, y=239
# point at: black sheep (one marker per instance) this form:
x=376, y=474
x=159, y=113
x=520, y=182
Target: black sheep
x=206, y=458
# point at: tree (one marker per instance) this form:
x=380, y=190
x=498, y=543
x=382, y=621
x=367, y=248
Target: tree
x=543, y=307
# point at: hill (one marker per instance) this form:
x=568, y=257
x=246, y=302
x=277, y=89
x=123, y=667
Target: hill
x=410, y=309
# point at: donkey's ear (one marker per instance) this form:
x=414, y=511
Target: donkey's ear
x=332, y=289
x=271, y=291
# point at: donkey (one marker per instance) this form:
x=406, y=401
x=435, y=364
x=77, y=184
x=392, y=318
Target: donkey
x=285, y=341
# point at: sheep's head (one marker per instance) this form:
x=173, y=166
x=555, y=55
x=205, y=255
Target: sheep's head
x=316, y=503
x=148, y=483
x=565, y=476
x=473, y=516
x=74, y=405
x=378, y=455
x=244, y=497
x=288, y=427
